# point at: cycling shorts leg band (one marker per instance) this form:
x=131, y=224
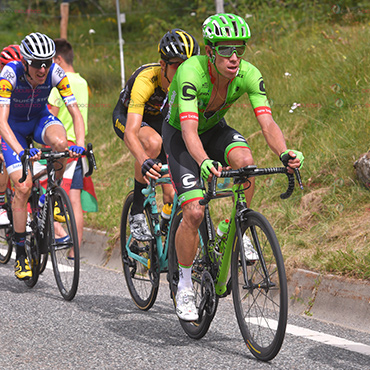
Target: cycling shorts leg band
x=232, y=146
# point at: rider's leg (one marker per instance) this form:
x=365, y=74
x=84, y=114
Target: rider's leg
x=19, y=208
x=241, y=157
x=152, y=144
x=55, y=136
x=187, y=239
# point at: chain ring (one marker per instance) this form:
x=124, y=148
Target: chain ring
x=208, y=293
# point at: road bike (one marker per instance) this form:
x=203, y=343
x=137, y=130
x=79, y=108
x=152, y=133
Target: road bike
x=258, y=287
x=53, y=227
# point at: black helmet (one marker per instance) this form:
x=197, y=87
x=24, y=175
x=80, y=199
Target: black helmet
x=178, y=43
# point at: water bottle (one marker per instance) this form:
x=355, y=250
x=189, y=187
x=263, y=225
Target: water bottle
x=165, y=217
x=221, y=235
x=41, y=204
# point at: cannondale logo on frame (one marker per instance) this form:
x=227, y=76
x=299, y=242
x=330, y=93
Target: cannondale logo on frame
x=188, y=181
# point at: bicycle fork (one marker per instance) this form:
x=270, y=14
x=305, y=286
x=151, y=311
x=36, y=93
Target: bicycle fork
x=242, y=216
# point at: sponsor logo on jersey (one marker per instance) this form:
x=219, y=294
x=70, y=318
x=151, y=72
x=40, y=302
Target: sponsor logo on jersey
x=188, y=91
x=262, y=110
x=188, y=115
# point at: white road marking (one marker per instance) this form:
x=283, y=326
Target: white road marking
x=316, y=336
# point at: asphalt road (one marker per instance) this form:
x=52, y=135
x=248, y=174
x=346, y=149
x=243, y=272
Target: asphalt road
x=102, y=329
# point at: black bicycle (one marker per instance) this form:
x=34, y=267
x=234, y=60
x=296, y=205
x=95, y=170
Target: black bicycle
x=53, y=226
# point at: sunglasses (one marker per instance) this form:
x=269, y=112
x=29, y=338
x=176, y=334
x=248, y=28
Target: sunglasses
x=38, y=64
x=228, y=50
x=174, y=65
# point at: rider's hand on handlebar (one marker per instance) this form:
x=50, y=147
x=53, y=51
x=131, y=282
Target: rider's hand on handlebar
x=292, y=159
x=151, y=168
x=207, y=169
x=75, y=151
x=35, y=154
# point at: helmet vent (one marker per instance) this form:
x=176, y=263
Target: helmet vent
x=236, y=31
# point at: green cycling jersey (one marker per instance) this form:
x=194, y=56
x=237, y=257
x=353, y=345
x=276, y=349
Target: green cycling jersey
x=191, y=90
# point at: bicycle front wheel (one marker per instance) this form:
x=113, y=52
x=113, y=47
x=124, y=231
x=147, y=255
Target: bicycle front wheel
x=142, y=278
x=64, y=248
x=260, y=293
x=6, y=245
x=194, y=329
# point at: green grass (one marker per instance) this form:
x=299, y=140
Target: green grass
x=325, y=226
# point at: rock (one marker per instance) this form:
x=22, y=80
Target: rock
x=362, y=167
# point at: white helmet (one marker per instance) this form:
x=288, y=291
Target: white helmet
x=37, y=46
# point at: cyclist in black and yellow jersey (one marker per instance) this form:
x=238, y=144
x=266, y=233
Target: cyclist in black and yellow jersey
x=137, y=119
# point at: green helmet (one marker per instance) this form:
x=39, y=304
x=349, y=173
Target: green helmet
x=225, y=27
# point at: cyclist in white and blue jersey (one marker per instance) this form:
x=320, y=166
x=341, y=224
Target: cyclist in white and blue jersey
x=24, y=90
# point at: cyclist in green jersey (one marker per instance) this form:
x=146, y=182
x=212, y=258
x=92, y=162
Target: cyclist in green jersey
x=195, y=133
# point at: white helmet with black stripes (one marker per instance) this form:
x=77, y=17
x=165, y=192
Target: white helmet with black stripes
x=37, y=46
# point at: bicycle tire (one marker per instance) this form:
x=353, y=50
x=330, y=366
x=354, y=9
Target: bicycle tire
x=142, y=284
x=66, y=270
x=43, y=262
x=33, y=255
x=261, y=312
x=194, y=329
x=6, y=245
x=6, y=231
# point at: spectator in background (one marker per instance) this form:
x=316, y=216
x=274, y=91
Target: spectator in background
x=9, y=54
x=73, y=180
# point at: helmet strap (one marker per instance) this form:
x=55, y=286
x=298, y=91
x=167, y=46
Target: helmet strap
x=26, y=69
x=165, y=73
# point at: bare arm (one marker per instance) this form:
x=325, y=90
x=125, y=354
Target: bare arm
x=78, y=124
x=193, y=143
x=275, y=138
x=131, y=137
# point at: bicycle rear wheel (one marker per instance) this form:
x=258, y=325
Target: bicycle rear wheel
x=194, y=329
x=260, y=299
x=142, y=282
x=6, y=246
x=63, y=242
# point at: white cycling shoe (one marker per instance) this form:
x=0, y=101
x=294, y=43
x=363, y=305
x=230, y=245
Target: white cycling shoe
x=185, y=305
x=250, y=253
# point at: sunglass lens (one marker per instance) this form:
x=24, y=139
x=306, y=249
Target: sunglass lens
x=38, y=64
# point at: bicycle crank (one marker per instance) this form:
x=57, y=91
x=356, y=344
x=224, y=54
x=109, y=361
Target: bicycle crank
x=208, y=302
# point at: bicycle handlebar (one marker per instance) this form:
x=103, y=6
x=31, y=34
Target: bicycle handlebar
x=252, y=171
x=47, y=154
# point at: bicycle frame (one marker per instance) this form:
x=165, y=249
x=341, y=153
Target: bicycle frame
x=162, y=249
x=233, y=236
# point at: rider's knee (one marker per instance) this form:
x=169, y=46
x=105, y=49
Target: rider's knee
x=59, y=144
x=152, y=145
x=23, y=190
x=193, y=214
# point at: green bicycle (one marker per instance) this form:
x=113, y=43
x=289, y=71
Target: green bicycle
x=258, y=287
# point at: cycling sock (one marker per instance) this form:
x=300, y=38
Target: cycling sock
x=2, y=198
x=139, y=197
x=19, y=241
x=185, y=277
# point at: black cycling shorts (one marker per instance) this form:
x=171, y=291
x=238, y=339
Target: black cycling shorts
x=119, y=124
x=184, y=170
